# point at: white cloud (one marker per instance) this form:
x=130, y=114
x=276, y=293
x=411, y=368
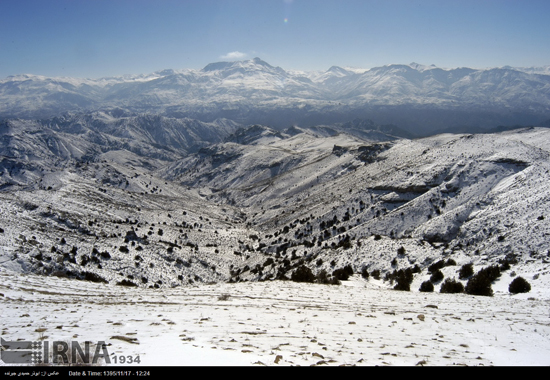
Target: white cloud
x=234, y=55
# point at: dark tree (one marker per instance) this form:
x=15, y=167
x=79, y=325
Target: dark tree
x=426, y=286
x=480, y=283
x=466, y=271
x=436, y=276
x=519, y=285
x=303, y=274
x=451, y=286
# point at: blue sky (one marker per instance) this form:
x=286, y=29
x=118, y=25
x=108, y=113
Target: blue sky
x=97, y=38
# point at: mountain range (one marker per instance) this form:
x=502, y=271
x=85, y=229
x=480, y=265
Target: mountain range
x=421, y=99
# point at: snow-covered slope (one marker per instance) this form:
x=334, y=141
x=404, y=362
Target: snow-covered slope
x=264, y=203
x=31, y=147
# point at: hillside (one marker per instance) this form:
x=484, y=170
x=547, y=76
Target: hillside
x=262, y=203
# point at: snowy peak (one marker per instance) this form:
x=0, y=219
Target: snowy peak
x=251, y=65
x=420, y=67
x=338, y=71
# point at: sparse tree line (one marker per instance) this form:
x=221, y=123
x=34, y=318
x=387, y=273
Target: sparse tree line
x=283, y=266
x=308, y=232
x=64, y=260
x=299, y=269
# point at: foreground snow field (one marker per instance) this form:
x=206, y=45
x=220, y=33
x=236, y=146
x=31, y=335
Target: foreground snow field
x=279, y=323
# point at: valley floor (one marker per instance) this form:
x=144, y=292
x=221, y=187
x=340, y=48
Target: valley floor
x=279, y=323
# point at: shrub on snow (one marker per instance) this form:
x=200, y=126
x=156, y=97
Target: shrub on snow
x=519, y=285
x=452, y=286
x=426, y=286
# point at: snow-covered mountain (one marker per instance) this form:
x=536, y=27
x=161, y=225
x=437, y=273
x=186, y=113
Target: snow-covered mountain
x=414, y=96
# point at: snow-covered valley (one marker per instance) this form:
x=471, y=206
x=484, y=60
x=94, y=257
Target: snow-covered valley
x=200, y=255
